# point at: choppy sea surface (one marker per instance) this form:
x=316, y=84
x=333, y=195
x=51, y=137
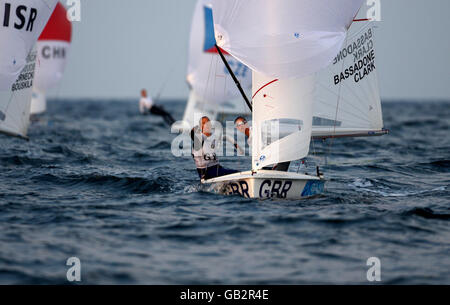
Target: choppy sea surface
x=98, y=181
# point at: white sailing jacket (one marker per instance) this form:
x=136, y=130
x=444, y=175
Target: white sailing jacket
x=204, y=150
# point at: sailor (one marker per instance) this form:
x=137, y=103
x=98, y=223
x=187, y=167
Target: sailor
x=241, y=125
x=204, y=145
x=146, y=106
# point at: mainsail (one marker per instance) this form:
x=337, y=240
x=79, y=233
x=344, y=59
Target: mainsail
x=210, y=83
x=347, y=99
x=53, y=48
x=285, y=43
x=23, y=22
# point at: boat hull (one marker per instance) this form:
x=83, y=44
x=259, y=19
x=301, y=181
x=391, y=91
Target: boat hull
x=267, y=184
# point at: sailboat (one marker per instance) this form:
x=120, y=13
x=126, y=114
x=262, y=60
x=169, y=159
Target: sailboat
x=294, y=48
x=23, y=22
x=52, y=49
x=212, y=89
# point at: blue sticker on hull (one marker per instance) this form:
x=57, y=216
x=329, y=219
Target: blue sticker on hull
x=313, y=187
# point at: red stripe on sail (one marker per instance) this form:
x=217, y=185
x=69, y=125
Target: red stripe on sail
x=214, y=50
x=356, y=20
x=275, y=80
x=58, y=26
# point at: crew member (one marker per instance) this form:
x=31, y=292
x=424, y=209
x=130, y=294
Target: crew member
x=204, y=145
x=146, y=106
x=241, y=125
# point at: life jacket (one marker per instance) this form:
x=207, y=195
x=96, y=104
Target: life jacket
x=203, y=149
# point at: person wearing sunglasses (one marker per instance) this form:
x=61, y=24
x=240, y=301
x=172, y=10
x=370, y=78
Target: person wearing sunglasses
x=241, y=125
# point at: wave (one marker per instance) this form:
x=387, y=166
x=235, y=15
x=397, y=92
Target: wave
x=116, y=183
x=382, y=188
x=426, y=213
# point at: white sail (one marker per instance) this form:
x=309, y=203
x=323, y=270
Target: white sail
x=207, y=75
x=283, y=38
x=53, y=48
x=38, y=102
x=281, y=130
x=194, y=111
x=22, y=23
x=285, y=43
x=347, y=100
x=15, y=103
x=235, y=106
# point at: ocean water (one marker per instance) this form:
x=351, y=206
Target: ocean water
x=98, y=181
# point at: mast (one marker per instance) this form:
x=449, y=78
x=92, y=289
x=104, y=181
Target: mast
x=236, y=81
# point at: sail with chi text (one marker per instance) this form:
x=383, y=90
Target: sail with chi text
x=52, y=49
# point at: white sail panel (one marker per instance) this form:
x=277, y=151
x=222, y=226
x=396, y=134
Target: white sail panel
x=236, y=107
x=194, y=111
x=22, y=23
x=15, y=103
x=38, y=102
x=207, y=74
x=283, y=38
x=52, y=58
x=282, y=119
x=347, y=99
x=53, y=48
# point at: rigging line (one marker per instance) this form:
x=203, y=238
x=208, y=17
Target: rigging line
x=343, y=110
x=358, y=99
x=345, y=100
x=337, y=104
x=163, y=86
x=363, y=101
x=236, y=81
x=207, y=85
x=214, y=86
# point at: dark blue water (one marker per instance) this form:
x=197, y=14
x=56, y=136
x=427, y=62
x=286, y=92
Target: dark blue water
x=98, y=181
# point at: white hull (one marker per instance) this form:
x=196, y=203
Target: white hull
x=267, y=184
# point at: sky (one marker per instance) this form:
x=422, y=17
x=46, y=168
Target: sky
x=122, y=46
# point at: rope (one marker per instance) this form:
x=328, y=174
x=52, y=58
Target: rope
x=337, y=104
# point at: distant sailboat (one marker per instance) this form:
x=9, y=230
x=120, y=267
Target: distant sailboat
x=286, y=43
x=23, y=22
x=52, y=49
x=212, y=89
